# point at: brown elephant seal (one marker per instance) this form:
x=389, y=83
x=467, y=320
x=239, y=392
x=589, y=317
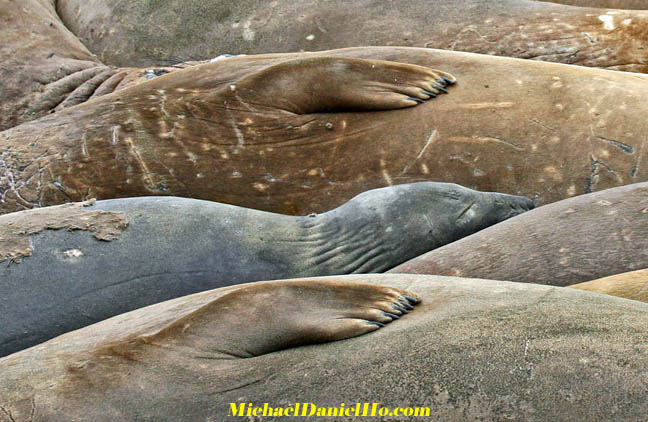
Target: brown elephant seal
x=471, y=350
x=147, y=32
x=48, y=68
x=91, y=261
x=222, y=132
x=567, y=242
x=631, y=285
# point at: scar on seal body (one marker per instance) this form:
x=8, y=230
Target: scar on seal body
x=18, y=226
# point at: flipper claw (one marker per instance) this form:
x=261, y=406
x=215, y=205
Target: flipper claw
x=440, y=88
x=400, y=309
x=406, y=305
x=412, y=299
x=390, y=315
x=448, y=80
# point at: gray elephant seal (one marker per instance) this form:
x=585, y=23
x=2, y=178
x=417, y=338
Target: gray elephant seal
x=571, y=241
x=158, y=248
x=471, y=350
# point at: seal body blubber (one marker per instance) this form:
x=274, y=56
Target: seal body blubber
x=538, y=352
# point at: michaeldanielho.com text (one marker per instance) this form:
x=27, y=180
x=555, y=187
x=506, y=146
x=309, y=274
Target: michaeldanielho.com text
x=310, y=409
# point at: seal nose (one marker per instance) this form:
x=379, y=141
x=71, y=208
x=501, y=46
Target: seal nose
x=520, y=204
x=517, y=204
x=527, y=204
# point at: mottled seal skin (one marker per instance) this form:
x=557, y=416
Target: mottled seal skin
x=567, y=242
x=147, y=32
x=471, y=350
x=164, y=247
x=631, y=285
x=222, y=132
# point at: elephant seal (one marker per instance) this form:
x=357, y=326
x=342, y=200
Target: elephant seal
x=471, y=350
x=123, y=254
x=244, y=131
x=48, y=68
x=147, y=32
x=631, y=285
x=564, y=243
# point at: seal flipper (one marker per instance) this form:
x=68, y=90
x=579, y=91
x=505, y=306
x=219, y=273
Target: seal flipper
x=331, y=84
x=261, y=318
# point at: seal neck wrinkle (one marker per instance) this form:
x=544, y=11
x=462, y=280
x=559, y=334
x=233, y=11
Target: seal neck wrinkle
x=343, y=242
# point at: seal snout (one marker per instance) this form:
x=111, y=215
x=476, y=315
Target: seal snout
x=521, y=204
x=512, y=205
x=516, y=202
x=527, y=204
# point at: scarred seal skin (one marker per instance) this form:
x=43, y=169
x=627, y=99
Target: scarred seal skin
x=147, y=32
x=248, y=131
x=197, y=119
x=539, y=353
x=631, y=285
x=69, y=266
x=564, y=243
